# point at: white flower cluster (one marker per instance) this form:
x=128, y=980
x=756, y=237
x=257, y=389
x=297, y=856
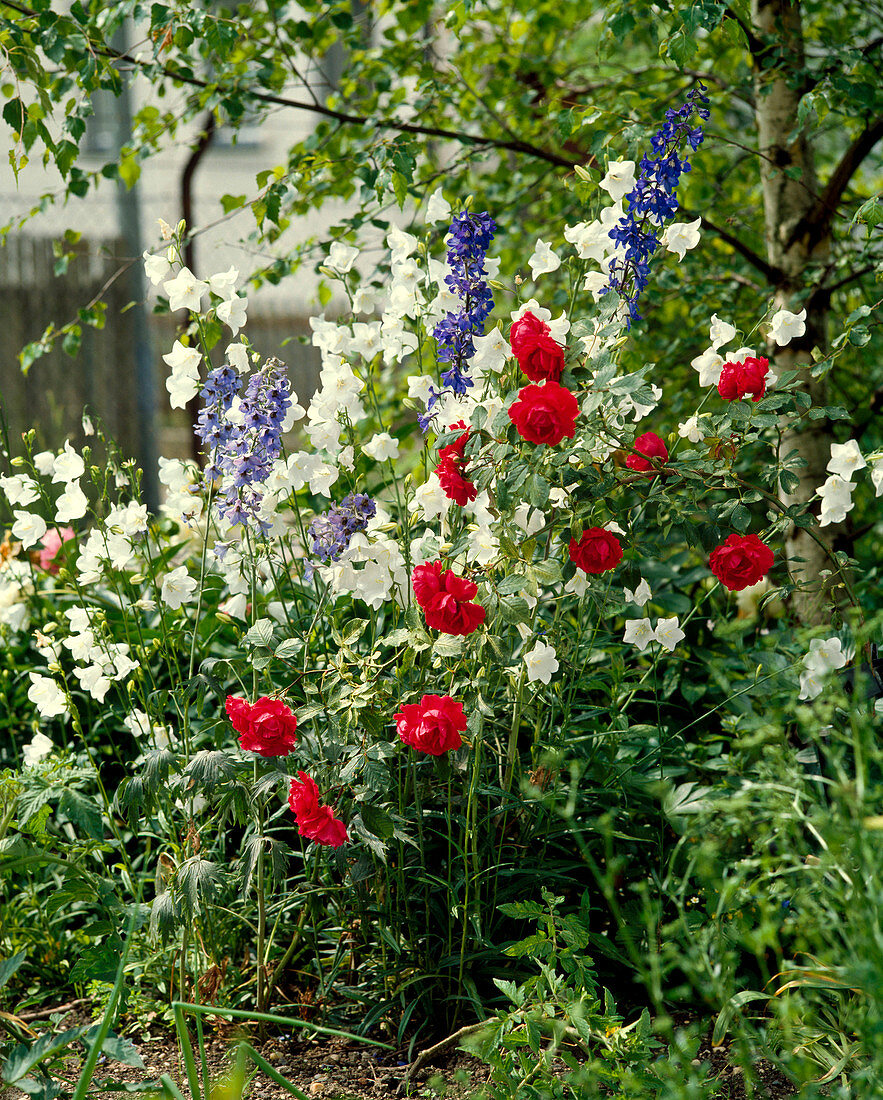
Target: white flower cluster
x=66, y=468
x=836, y=493
x=592, y=240
x=372, y=567
x=541, y=663
x=185, y=291
x=16, y=584
x=823, y=658
x=112, y=542
x=641, y=633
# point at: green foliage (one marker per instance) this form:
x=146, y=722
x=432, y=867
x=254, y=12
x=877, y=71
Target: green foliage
x=660, y=797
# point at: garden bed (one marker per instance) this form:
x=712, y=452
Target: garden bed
x=340, y=1069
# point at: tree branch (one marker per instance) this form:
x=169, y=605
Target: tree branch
x=773, y=275
x=817, y=221
x=155, y=68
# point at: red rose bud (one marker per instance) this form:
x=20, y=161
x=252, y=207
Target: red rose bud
x=741, y=561
x=739, y=379
x=314, y=820
x=433, y=725
x=266, y=726
x=544, y=414
x=446, y=599
x=456, y=449
x=597, y=551
x=650, y=445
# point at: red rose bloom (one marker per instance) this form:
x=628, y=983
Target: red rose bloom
x=597, y=551
x=524, y=333
x=741, y=561
x=451, y=469
x=446, y=599
x=544, y=414
x=539, y=356
x=266, y=726
x=648, y=444
x=433, y=725
x=314, y=821
x=739, y=379
x=459, y=488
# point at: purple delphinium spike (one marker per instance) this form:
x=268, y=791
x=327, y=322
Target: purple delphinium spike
x=243, y=453
x=469, y=239
x=653, y=199
x=331, y=532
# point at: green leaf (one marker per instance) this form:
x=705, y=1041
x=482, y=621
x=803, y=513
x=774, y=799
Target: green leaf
x=83, y=812
x=98, y=963
x=514, y=609
x=511, y=990
x=740, y=517
x=289, y=648
x=538, y=491
x=9, y=966
x=198, y=880
x=448, y=646
x=377, y=821
x=129, y=169
x=26, y=1057
x=788, y=480
x=522, y=909
x=261, y=634
x=208, y=769
x=859, y=336
x=29, y=802
x=688, y=798
x=536, y=946
x=232, y=202
x=511, y=583
x=353, y=631
x=722, y=1024
x=121, y=1050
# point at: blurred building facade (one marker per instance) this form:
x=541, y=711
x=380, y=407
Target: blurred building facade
x=105, y=372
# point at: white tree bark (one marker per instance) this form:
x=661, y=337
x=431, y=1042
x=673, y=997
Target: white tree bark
x=790, y=193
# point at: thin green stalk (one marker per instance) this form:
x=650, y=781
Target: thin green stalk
x=88, y=1069
x=202, y=563
x=470, y=843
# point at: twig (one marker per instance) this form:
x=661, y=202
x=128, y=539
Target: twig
x=430, y=1053
x=45, y=1013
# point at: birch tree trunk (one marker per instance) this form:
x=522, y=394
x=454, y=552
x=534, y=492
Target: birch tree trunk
x=790, y=194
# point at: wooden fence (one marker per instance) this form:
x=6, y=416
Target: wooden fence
x=51, y=397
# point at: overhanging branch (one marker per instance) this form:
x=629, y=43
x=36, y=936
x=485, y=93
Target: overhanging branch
x=817, y=221
x=155, y=68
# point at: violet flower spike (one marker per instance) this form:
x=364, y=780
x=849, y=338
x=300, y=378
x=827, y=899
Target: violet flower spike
x=242, y=454
x=470, y=236
x=653, y=199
